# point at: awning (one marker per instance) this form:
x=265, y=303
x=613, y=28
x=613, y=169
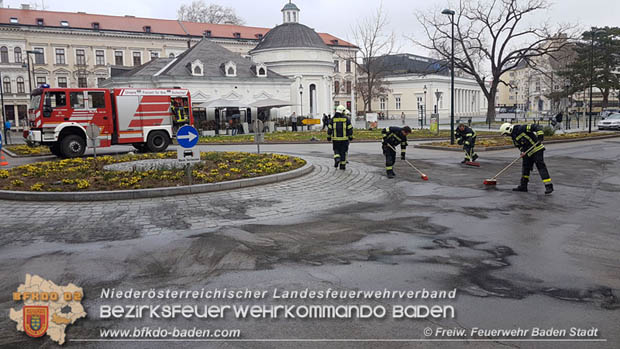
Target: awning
x=224, y=103
x=271, y=103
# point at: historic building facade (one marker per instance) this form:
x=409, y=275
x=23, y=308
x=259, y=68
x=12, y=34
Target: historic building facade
x=80, y=49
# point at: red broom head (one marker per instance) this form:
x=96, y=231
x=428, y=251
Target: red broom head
x=425, y=177
x=490, y=182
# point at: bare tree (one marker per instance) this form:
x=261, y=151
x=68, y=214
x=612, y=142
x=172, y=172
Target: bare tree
x=199, y=11
x=374, y=42
x=491, y=38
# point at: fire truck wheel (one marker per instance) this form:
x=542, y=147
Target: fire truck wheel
x=72, y=146
x=157, y=141
x=55, y=149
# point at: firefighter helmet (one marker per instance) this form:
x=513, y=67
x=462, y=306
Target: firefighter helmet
x=347, y=112
x=340, y=109
x=506, y=128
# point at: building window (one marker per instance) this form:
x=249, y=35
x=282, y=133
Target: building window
x=41, y=80
x=62, y=82
x=207, y=33
x=336, y=66
x=39, y=56
x=348, y=65
x=14, y=20
x=118, y=57
x=60, y=56
x=40, y=22
x=4, y=54
x=259, y=36
x=147, y=29
x=82, y=82
x=382, y=104
x=154, y=55
x=100, y=57
x=137, y=59
x=231, y=71
x=80, y=57
x=348, y=87
x=18, y=54
x=21, y=88
x=64, y=23
x=198, y=71
x=100, y=81
x=262, y=72
x=96, y=25
x=336, y=87
x=6, y=84
x=237, y=35
x=171, y=55
x=397, y=103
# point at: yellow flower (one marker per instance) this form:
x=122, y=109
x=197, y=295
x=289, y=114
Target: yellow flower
x=36, y=187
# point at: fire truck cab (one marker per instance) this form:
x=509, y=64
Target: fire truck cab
x=146, y=118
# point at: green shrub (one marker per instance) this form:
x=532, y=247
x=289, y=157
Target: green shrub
x=549, y=131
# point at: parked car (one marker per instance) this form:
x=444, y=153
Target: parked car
x=612, y=122
x=608, y=112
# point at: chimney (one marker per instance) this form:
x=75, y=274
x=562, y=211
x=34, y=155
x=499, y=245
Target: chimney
x=25, y=6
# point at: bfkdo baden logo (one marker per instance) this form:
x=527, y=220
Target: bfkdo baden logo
x=36, y=318
x=48, y=308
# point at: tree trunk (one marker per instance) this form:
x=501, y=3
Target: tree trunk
x=491, y=105
x=605, y=97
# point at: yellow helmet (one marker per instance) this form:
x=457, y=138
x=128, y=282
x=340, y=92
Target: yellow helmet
x=506, y=128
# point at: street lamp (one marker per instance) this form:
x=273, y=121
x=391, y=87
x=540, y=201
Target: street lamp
x=594, y=32
x=424, y=110
x=516, y=103
x=451, y=14
x=301, y=100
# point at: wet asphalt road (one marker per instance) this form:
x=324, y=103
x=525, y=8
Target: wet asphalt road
x=517, y=259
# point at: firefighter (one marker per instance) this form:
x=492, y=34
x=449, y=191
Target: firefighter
x=393, y=136
x=340, y=131
x=466, y=137
x=525, y=137
x=180, y=115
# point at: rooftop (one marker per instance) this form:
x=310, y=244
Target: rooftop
x=87, y=21
x=289, y=35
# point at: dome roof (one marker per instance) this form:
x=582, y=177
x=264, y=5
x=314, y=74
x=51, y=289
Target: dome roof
x=290, y=7
x=290, y=35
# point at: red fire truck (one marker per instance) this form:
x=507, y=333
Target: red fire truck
x=60, y=117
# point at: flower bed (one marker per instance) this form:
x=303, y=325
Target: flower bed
x=507, y=141
x=24, y=150
x=86, y=174
x=302, y=137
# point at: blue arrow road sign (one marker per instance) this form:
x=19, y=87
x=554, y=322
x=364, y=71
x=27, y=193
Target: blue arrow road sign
x=187, y=136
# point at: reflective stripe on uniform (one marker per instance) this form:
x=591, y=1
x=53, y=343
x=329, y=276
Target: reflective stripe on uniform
x=548, y=180
x=388, y=167
x=526, y=177
x=539, y=147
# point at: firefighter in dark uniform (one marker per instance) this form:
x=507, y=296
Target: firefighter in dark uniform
x=466, y=137
x=525, y=137
x=180, y=116
x=340, y=133
x=394, y=136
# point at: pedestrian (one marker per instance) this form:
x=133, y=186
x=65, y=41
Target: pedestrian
x=466, y=137
x=558, y=119
x=340, y=133
x=294, y=122
x=325, y=121
x=7, y=132
x=403, y=117
x=529, y=138
x=393, y=136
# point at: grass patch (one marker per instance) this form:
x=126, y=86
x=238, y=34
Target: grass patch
x=507, y=141
x=86, y=174
x=25, y=150
x=302, y=137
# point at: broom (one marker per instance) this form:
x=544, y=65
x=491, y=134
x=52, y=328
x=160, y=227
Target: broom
x=493, y=181
x=422, y=175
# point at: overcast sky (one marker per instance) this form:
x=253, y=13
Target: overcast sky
x=334, y=16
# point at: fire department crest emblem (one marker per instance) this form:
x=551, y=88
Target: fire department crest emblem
x=36, y=319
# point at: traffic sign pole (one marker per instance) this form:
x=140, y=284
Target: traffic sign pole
x=187, y=137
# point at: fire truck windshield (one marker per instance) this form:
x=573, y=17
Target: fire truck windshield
x=35, y=101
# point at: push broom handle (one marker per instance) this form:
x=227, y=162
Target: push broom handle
x=512, y=163
x=407, y=161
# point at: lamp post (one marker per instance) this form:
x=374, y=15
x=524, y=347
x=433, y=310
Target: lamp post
x=593, y=33
x=516, y=104
x=424, y=110
x=30, y=67
x=451, y=14
x=301, y=100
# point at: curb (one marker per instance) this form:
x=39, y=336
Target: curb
x=156, y=192
x=503, y=147
x=326, y=142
